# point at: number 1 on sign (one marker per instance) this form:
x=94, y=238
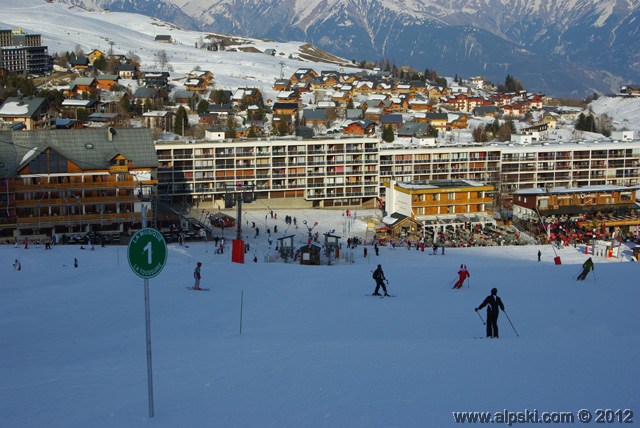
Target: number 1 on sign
x=148, y=248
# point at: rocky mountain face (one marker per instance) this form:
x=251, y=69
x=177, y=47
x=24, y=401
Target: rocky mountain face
x=560, y=47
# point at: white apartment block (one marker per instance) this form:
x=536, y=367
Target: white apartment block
x=353, y=171
x=314, y=173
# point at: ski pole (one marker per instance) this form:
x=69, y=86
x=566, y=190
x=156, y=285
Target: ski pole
x=468, y=281
x=481, y=319
x=452, y=281
x=514, y=329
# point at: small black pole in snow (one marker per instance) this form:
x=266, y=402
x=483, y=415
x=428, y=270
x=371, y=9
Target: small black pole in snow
x=241, y=305
x=514, y=329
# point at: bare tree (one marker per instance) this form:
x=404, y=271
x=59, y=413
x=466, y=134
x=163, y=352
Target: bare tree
x=163, y=58
x=78, y=51
x=133, y=57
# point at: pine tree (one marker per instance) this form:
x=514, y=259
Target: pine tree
x=581, y=123
x=230, y=132
x=387, y=134
x=181, y=122
x=283, y=128
x=350, y=103
x=203, y=106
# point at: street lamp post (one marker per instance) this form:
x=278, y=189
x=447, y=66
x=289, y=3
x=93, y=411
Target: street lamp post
x=310, y=228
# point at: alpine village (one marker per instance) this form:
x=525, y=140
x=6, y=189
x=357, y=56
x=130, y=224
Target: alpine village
x=91, y=139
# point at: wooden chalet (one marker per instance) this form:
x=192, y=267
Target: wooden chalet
x=288, y=97
x=127, y=71
x=107, y=82
x=143, y=95
x=31, y=112
x=79, y=180
x=246, y=96
x=359, y=127
x=196, y=84
x=79, y=62
x=94, y=55
x=303, y=75
x=155, y=79
x=206, y=75
x=393, y=120
x=285, y=109
x=81, y=86
x=281, y=85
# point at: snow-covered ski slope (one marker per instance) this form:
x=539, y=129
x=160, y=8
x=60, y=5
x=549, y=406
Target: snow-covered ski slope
x=314, y=350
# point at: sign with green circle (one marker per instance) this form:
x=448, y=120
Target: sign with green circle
x=147, y=253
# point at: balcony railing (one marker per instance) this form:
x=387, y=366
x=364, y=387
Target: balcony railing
x=79, y=218
x=73, y=201
x=80, y=186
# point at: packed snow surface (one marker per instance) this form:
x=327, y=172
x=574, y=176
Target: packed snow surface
x=315, y=350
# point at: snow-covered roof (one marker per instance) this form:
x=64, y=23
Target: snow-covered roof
x=157, y=113
x=20, y=107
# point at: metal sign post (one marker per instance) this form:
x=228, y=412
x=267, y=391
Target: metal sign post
x=147, y=254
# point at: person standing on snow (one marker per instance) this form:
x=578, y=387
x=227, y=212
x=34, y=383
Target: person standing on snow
x=463, y=274
x=197, y=276
x=493, y=304
x=539, y=254
x=378, y=275
x=586, y=268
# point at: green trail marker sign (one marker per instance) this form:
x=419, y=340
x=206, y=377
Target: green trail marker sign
x=147, y=253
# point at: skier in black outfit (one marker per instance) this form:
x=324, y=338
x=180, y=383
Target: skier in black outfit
x=493, y=304
x=586, y=268
x=378, y=275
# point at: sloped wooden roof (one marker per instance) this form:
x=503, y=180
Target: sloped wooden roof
x=87, y=148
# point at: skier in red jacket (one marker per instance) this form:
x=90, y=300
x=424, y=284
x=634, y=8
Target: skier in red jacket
x=464, y=274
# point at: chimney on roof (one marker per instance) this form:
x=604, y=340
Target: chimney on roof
x=110, y=133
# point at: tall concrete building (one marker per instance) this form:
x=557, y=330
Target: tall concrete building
x=23, y=53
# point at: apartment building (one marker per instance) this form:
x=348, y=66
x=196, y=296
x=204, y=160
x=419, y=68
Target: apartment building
x=23, y=53
x=315, y=173
x=354, y=171
x=431, y=199
x=509, y=167
x=578, y=164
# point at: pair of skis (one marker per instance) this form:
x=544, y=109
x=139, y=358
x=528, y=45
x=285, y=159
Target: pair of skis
x=198, y=289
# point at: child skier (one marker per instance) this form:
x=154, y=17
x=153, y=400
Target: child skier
x=463, y=274
x=197, y=276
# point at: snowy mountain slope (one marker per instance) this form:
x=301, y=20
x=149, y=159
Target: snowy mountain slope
x=63, y=27
x=624, y=111
x=593, y=44
x=314, y=350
